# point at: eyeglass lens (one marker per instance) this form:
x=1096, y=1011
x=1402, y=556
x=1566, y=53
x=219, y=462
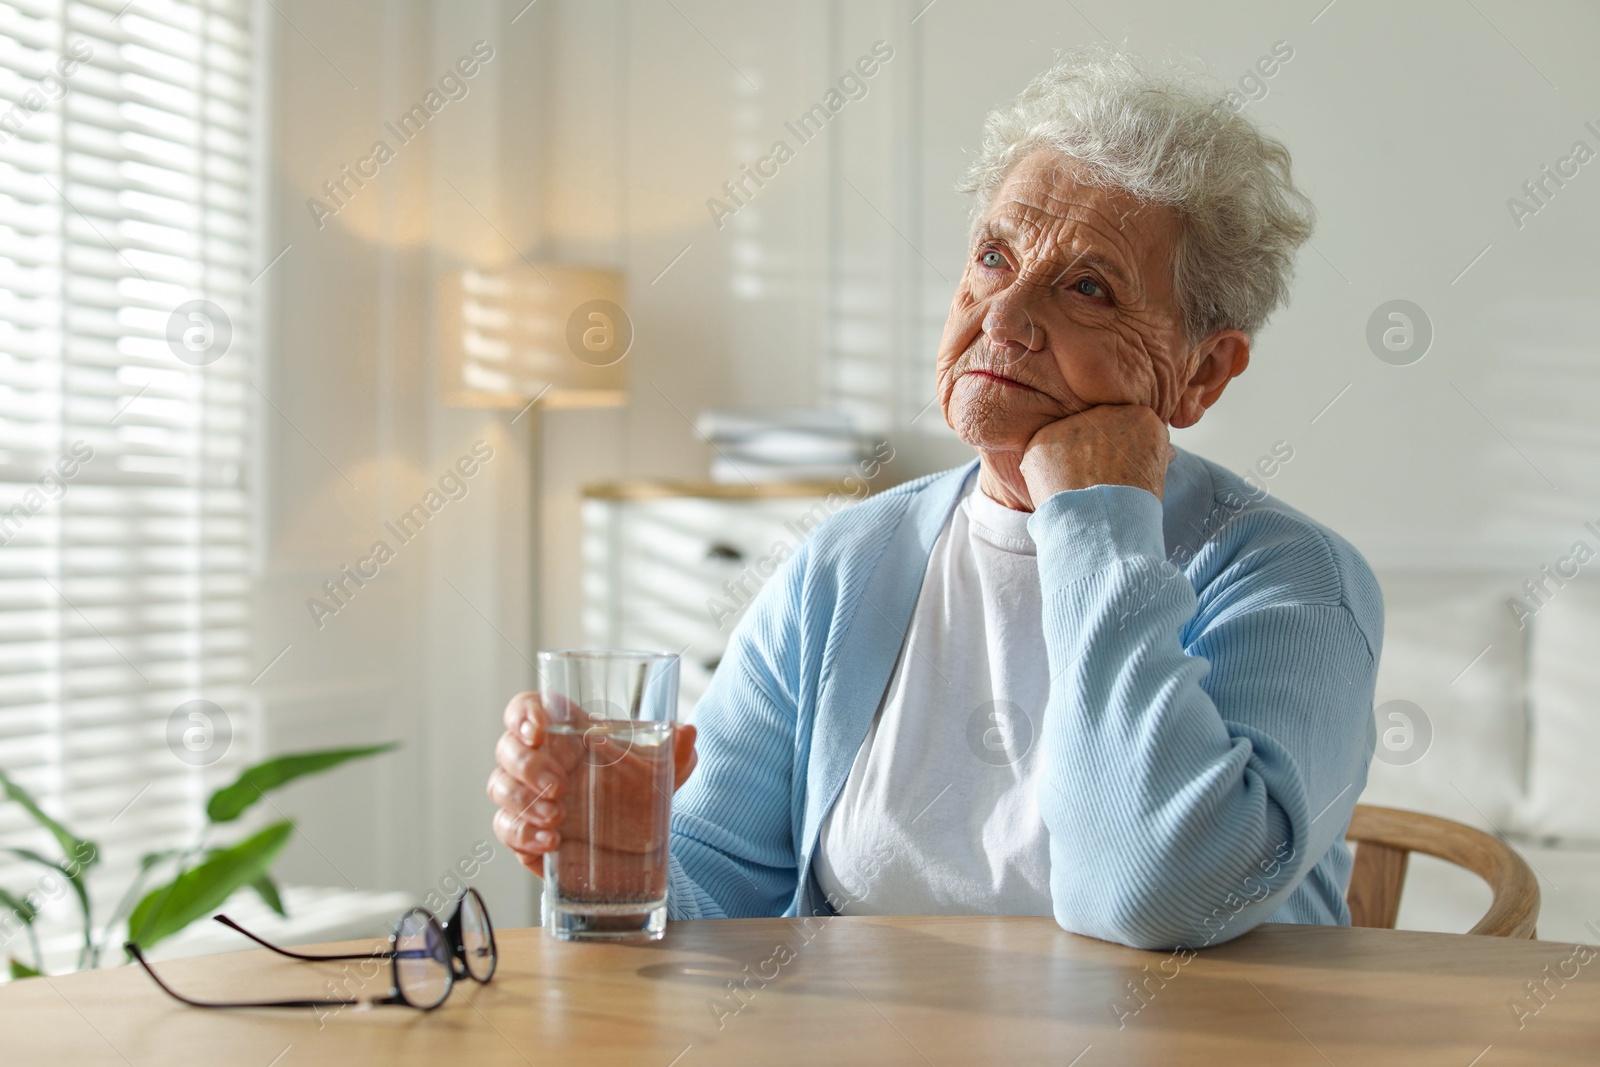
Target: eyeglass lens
x=477, y=937
x=422, y=960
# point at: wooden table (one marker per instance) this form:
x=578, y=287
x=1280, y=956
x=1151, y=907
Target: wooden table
x=851, y=990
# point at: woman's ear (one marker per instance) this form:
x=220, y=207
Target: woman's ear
x=1218, y=360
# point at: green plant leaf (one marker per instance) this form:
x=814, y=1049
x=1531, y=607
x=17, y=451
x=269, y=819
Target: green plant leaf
x=22, y=970
x=197, y=893
x=73, y=847
x=232, y=801
x=267, y=890
x=73, y=876
x=146, y=862
x=19, y=907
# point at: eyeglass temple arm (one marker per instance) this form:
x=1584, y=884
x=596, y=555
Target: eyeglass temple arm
x=133, y=950
x=230, y=924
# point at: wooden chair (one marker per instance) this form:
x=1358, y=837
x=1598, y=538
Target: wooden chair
x=1388, y=836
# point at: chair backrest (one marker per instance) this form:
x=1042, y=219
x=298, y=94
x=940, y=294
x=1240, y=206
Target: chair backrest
x=1388, y=836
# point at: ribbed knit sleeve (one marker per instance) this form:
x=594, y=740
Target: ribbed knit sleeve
x=1203, y=750
x=733, y=848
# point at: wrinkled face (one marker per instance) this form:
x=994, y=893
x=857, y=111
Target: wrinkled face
x=1066, y=303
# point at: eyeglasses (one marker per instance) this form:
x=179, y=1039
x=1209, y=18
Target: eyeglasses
x=427, y=958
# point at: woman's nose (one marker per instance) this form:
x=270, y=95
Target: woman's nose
x=1011, y=328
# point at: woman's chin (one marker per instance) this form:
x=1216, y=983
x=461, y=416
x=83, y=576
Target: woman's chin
x=994, y=427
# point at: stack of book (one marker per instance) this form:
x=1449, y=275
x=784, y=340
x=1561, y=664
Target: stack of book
x=779, y=445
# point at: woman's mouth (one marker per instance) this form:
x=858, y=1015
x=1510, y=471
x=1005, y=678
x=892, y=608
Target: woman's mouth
x=993, y=377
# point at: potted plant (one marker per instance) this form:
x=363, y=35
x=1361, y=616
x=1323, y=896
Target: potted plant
x=200, y=877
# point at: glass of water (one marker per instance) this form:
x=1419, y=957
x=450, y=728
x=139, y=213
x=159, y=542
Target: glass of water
x=611, y=718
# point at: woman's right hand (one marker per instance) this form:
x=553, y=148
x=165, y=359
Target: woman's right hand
x=530, y=779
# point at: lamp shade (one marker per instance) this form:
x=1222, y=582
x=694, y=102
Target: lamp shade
x=513, y=334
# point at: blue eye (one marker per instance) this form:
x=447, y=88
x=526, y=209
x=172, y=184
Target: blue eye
x=1088, y=287
x=992, y=259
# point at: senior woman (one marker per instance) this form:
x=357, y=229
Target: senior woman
x=1089, y=675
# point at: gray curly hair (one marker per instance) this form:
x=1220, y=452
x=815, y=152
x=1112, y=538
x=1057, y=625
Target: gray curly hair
x=1166, y=138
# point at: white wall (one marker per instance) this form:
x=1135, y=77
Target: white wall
x=602, y=128
x=354, y=435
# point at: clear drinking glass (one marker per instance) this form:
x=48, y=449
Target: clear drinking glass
x=611, y=717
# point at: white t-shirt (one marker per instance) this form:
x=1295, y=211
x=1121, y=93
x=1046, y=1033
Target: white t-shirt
x=939, y=814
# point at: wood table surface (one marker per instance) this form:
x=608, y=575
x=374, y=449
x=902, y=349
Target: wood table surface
x=870, y=990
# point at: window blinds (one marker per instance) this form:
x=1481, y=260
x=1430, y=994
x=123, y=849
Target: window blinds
x=127, y=199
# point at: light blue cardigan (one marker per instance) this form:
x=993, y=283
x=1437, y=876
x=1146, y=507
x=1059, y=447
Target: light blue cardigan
x=1208, y=730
